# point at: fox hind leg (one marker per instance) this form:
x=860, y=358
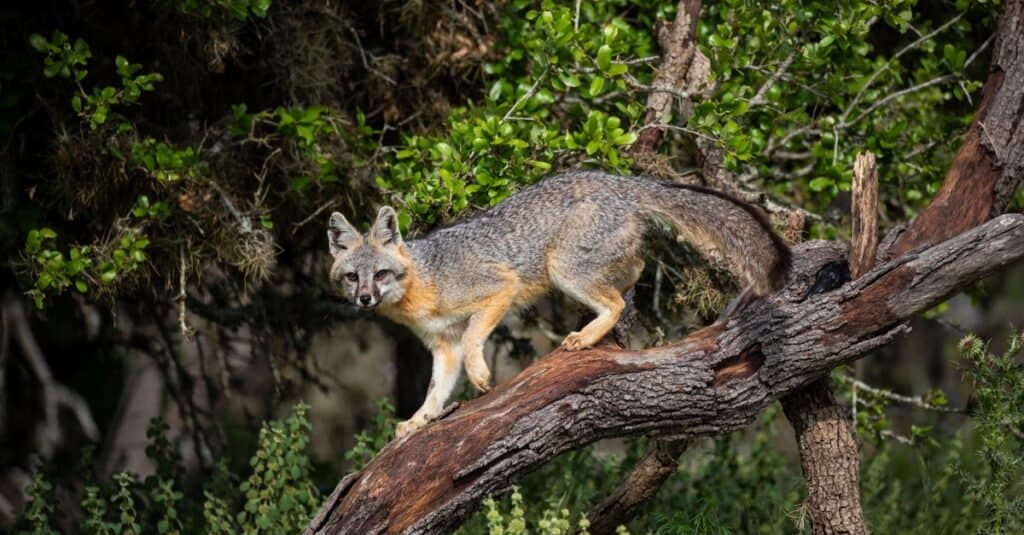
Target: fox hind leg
x=595, y=259
x=607, y=303
x=603, y=295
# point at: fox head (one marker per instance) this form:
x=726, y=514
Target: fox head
x=369, y=269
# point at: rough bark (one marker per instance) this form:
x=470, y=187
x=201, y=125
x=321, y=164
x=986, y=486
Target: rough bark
x=711, y=383
x=829, y=459
x=677, y=41
x=828, y=449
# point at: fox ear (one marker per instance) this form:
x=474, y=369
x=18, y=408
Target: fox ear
x=341, y=235
x=385, y=229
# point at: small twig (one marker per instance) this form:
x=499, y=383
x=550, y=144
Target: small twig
x=921, y=149
x=809, y=129
x=54, y=394
x=991, y=142
x=318, y=211
x=186, y=331
x=916, y=401
x=897, y=437
x=631, y=81
x=576, y=19
x=656, y=302
x=758, y=98
x=981, y=48
x=526, y=96
x=366, y=63
x=690, y=131
x=1013, y=429
x=885, y=67
x=244, y=221
x=893, y=96
x=786, y=155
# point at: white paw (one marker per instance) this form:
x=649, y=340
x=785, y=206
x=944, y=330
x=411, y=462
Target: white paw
x=574, y=341
x=404, y=429
x=479, y=374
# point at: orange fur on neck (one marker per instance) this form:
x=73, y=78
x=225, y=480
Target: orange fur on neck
x=420, y=298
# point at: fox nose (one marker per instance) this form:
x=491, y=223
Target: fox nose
x=365, y=299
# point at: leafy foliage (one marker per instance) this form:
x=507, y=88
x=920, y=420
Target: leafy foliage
x=999, y=422
x=544, y=110
x=371, y=440
x=801, y=88
x=276, y=497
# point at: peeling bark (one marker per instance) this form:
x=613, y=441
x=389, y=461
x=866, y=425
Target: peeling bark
x=989, y=166
x=433, y=479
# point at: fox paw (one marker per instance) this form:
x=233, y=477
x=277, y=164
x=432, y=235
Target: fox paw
x=479, y=374
x=406, y=428
x=574, y=341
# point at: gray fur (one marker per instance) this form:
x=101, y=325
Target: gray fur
x=594, y=222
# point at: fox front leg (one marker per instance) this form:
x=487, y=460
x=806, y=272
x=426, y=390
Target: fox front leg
x=446, y=368
x=480, y=326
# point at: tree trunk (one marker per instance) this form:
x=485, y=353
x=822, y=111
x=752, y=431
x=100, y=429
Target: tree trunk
x=828, y=457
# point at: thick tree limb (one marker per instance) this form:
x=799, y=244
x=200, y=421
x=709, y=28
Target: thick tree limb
x=989, y=166
x=828, y=449
x=713, y=382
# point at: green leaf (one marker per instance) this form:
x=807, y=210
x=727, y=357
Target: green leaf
x=81, y=286
x=495, y=92
x=820, y=183
x=604, y=57
x=38, y=42
x=617, y=69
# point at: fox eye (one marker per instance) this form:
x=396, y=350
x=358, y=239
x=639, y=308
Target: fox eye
x=382, y=274
x=352, y=277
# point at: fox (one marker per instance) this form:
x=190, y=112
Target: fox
x=579, y=232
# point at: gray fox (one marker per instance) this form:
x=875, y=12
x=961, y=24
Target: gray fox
x=579, y=232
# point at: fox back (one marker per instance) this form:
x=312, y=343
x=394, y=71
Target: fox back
x=580, y=224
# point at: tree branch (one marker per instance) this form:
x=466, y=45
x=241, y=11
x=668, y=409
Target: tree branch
x=989, y=166
x=678, y=42
x=828, y=458
x=640, y=485
x=713, y=382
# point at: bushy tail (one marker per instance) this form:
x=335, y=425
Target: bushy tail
x=725, y=228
